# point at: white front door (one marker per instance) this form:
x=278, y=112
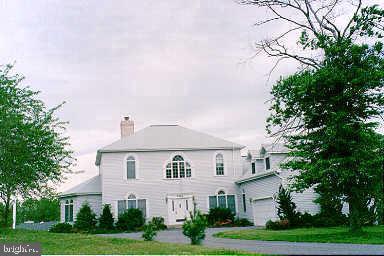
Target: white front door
x=179, y=209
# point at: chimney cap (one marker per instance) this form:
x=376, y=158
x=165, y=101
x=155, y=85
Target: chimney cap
x=126, y=118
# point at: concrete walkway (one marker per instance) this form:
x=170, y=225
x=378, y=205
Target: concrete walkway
x=265, y=247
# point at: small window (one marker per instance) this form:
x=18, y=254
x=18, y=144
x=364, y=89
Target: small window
x=68, y=210
x=253, y=168
x=267, y=164
x=219, y=164
x=131, y=168
x=244, y=202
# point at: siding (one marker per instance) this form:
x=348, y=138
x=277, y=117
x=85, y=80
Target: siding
x=94, y=202
x=151, y=184
x=269, y=186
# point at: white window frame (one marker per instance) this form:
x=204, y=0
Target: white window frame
x=170, y=161
x=68, y=203
x=116, y=215
x=125, y=167
x=214, y=164
x=226, y=199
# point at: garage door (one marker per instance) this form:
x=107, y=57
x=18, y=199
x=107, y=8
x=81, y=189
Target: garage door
x=263, y=210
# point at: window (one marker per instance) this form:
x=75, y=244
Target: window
x=253, y=168
x=131, y=168
x=244, y=202
x=267, y=164
x=68, y=207
x=222, y=200
x=219, y=164
x=132, y=202
x=178, y=168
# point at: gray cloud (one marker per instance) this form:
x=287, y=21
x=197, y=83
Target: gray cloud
x=157, y=61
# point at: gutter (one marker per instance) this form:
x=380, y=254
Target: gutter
x=80, y=194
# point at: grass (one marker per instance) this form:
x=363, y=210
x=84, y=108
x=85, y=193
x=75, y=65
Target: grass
x=370, y=235
x=53, y=243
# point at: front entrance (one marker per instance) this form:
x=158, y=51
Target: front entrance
x=179, y=208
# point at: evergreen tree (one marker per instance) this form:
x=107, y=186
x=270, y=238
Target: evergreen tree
x=85, y=218
x=106, y=218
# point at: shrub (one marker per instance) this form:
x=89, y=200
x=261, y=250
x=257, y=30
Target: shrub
x=305, y=220
x=61, y=228
x=85, y=219
x=220, y=216
x=159, y=223
x=130, y=220
x=277, y=225
x=242, y=222
x=150, y=231
x=106, y=219
x=286, y=209
x=194, y=228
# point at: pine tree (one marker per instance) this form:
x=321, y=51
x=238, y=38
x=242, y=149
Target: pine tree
x=106, y=219
x=85, y=218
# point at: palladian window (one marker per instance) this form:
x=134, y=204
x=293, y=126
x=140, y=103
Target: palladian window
x=132, y=202
x=178, y=168
x=222, y=200
x=219, y=164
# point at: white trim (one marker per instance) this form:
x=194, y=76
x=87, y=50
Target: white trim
x=186, y=160
x=214, y=164
x=137, y=167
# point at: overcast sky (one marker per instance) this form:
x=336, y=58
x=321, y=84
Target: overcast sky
x=160, y=62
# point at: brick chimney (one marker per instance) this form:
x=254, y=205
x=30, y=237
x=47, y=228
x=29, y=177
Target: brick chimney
x=127, y=127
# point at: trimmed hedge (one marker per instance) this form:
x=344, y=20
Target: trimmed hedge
x=61, y=228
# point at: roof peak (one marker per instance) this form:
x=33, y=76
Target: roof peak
x=164, y=125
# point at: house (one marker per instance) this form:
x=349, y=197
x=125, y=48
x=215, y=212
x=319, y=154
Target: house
x=167, y=170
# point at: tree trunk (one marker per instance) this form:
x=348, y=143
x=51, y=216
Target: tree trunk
x=6, y=211
x=355, y=214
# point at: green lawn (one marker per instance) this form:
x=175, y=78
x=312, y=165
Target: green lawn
x=370, y=235
x=91, y=244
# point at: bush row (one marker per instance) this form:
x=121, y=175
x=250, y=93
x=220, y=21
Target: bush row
x=86, y=221
x=307, y=220
x=223, y=217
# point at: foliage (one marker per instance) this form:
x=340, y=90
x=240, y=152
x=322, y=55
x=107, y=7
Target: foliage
x=159, y=223
x=242, y=222
x=328, y=112
x=33, y=150
x=286, y=208
x=370, y=235
x=84, y=244
x=85, y=219
x=106, y=218
x=37, y=210
x=194, y=228
x=149, y=231
x=61, y=228
x=277, y=225
x=130, y=220
x=330, y=203
x=220, y=216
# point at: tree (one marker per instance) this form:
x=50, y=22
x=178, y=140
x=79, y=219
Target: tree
x=328, y=111
x=33, y=150
x=286, y=208
x=37, y=210
x=106, y=218
x=85, y=218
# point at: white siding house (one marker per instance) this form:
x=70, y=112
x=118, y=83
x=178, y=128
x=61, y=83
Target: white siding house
x=167, y=170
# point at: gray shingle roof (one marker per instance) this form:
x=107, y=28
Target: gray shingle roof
x=91, y=186
x=167, y=137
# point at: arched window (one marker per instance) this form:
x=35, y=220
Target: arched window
x=131, y=168
x=222, y=200
x=132, y=202
x=68, y=208
x=219, y=164
x=178, y=168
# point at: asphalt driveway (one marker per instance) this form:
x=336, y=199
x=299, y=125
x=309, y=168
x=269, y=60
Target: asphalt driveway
x=265, y=247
